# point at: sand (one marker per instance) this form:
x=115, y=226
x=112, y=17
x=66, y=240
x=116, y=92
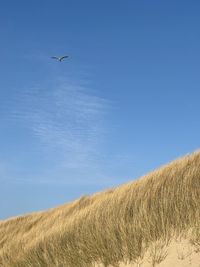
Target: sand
x=179, y=253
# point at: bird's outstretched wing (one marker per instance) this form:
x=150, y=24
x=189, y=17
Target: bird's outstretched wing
x=61, y=58
x=55, y=58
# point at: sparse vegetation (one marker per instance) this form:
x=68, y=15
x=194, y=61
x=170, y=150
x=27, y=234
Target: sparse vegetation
x=195, y=237
x=109, y=227
x=158, y=252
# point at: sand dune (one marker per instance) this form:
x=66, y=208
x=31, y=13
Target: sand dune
x=151, y=221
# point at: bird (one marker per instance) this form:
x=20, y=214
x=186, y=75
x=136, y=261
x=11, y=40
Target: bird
x=60, y=58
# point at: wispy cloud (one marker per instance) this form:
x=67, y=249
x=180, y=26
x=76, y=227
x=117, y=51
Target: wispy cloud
x=69, y=121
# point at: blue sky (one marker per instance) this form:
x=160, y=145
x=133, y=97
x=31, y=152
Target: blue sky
x=124, y=103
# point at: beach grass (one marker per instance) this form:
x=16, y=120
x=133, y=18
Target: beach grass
x=109, y=227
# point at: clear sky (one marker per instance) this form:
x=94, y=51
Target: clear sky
x=125, y=102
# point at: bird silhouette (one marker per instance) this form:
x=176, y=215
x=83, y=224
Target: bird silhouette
x=60, y=58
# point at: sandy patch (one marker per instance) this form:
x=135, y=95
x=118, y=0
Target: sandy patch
x=177, y=254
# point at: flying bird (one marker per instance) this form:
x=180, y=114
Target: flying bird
x=60, y=58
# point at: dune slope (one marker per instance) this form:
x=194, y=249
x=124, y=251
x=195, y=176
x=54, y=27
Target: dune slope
x=117, y=226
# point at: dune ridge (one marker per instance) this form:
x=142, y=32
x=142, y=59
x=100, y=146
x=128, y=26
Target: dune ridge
x=114, y=227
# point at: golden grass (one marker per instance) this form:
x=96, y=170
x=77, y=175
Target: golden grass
x=111, y=226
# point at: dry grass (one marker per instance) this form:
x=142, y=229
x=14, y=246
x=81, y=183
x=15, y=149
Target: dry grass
x=111, y=226
x=158, y=252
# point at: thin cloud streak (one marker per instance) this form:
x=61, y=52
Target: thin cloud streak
x=68, y=120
